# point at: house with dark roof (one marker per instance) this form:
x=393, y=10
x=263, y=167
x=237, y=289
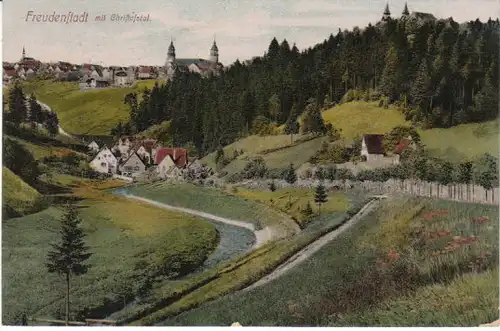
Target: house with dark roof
x=372, y=147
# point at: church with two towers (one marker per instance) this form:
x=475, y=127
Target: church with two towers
x=204, y=67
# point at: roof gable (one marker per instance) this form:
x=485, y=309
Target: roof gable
x=373, y=143
x=133, y=158
x=178, y=155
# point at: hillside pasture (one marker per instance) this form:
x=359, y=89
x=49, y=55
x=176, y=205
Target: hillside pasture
x=43, y=150
x=93, y=112
x=412, y=262
x=128, y=240
x=455, y=143
x=18, y=198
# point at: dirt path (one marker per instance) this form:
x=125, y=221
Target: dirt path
x=261, y=236
x=312, y=248
x=61, y=131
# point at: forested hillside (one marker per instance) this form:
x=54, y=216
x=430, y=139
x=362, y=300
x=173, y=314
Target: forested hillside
x=438, y=72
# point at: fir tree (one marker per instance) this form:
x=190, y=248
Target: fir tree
x=307, y=212
x=52, y=123
x=17, y=105
x=68, y=257
x=291, y=176
x=272, y=186
x=320, y=196
x=35, y=110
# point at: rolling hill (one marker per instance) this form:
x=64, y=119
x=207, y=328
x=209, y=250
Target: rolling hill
x=93, y=112
x=19, y=198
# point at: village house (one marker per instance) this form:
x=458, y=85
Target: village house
x=146, y=149
x=104, y=161
x=132, y=166
x=372, y=148
x=123, y=145
x=93, y=146
x=168, y=159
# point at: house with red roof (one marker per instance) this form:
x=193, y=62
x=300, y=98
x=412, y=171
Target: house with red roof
x=168, y=159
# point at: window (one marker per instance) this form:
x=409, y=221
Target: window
x=103, y=164
x=136, y=168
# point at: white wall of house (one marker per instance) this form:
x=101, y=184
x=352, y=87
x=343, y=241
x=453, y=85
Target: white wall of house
x=194, y=68
x=104, y=162
x=164, y=167
x=95, y=74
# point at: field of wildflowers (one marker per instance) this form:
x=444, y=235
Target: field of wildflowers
x=412, y=262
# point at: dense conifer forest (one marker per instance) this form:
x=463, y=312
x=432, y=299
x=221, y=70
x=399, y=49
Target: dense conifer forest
x=440, y=73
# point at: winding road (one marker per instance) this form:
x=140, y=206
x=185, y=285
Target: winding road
x=315, y=246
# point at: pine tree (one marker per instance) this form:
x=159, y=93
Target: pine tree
x=35, y=110
x=68, y=257
x=320, y=196
x=291, y=176
x=52, y=123
x=389, y=80
x=272, y=186
x=17, y=105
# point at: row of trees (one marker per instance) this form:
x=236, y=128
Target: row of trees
x=23, y=110
x=441, y=72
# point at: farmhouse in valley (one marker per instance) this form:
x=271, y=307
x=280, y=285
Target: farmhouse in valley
x=93, y=146
x=372, y=148
x=169, y=159
x=132, y=166
x=104, y=161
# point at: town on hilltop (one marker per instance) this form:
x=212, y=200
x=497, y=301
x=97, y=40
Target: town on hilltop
x=98, y=76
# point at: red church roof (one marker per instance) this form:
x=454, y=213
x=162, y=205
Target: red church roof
x=179, y=155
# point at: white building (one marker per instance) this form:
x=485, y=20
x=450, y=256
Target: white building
x=104, y=162
x=93, y=146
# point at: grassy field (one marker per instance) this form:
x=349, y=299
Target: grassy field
x=411, y=262
x=358, y=118
x=213, y=201
x=251, y=146
x=292, y=200
x=92, y=112
x=463, y=141
x=466, y=140
x=42, y=150
x=126, y=238
x=18, y=198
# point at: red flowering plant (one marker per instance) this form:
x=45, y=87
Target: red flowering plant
x=480, y=220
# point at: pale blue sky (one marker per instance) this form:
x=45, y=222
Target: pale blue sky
x=243, y=28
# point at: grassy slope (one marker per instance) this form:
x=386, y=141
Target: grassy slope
x=16, y=194
x=213, y=201
x=251, y=145
x=42, y=150
x=120, y=234
x=92, y=112
x=299, y=198
x=346, y=281
x=467, y=140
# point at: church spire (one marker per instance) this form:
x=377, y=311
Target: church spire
x=24, y=53
x=406, y=12
x=387, y=13
x=214, y=52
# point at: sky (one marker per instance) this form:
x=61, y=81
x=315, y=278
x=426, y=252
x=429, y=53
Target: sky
x=242, y=28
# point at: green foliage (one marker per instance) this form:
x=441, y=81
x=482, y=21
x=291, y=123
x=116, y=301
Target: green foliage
x=307, y=212
x=320, y=196
x=20, y=161
x=313, y=121
x=291, y=176
x=272, y=186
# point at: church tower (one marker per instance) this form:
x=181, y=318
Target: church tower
x=214, y=53
x=387, y=13
x=406, y=12
x=171, y=52
x=24, y=54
